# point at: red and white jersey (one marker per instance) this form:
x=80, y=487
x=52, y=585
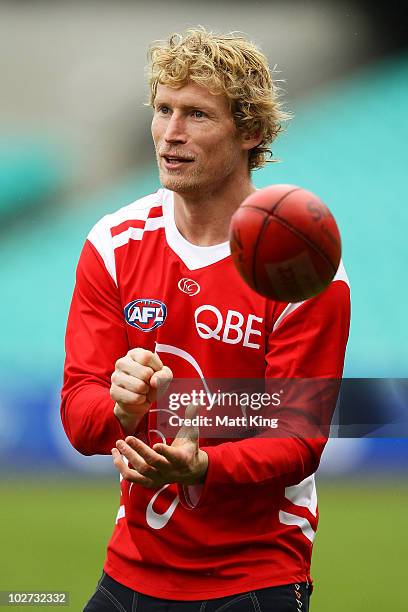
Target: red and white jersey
x=141, y=284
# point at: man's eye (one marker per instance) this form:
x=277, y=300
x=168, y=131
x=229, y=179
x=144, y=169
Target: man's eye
x=163, y=109
x=198, y=114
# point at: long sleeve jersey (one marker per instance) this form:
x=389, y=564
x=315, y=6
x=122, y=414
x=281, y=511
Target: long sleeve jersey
x=252, y=524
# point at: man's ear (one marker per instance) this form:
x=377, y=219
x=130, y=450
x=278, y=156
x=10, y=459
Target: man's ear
x=250, y=141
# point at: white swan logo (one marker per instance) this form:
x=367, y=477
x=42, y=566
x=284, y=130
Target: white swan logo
x=154, y=519
x=189, y=286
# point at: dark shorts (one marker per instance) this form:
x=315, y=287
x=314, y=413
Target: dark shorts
x=111, y=596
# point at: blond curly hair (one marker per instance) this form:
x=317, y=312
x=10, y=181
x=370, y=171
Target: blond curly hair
x=227, y=64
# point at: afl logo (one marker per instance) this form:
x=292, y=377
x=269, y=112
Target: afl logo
x=189, y=286
x=145, y=314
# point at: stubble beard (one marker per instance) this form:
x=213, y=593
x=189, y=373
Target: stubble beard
x=174, y=181
x=195, y=180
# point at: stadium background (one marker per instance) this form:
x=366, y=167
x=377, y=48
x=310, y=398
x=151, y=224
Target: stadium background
x=75, y=144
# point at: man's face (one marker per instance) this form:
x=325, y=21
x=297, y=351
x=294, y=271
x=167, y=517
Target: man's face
x=197, y=144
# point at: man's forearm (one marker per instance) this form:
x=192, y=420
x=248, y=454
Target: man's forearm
x=89, y=421
x=287, y=460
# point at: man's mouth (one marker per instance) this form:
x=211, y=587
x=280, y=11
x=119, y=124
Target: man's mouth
x=175, y=161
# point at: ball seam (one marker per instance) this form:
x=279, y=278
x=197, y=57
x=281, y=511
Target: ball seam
x=299, y=234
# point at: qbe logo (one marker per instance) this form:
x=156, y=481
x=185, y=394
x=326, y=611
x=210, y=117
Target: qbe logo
x=235, y=328
x=145, y=314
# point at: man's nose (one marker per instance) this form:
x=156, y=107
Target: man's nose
x=176, y=129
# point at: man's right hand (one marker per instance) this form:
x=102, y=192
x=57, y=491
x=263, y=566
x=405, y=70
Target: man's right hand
x=135, y=383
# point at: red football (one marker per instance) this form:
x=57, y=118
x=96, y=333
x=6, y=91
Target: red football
x=285, y=243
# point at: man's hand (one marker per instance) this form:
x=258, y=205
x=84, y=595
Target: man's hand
x=182, y=462
x=135, y=383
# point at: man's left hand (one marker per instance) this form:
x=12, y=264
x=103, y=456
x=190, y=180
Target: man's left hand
x=183, y=461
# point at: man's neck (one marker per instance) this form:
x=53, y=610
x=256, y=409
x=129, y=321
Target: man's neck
x=204, y=218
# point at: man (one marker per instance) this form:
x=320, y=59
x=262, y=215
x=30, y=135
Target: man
x=202, y=525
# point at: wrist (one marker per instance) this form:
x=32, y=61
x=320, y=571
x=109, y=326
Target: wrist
x=202, y=467
x=128, y=421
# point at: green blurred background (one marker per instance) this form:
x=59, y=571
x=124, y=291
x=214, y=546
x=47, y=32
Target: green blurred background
x=57, y=532
x=75, y=144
